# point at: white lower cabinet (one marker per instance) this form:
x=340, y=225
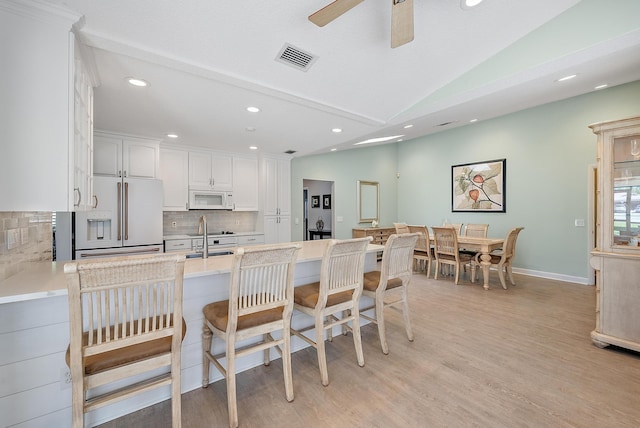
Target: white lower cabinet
x=277, y=229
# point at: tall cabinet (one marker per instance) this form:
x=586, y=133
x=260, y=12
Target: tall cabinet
x=616, y=257
x=276, y=203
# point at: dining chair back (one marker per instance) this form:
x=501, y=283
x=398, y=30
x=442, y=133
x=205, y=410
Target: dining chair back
x=338, y=291
x=260, y=303
x=401, y=228
x=423, y=253
x=389, y=286
x=125, y=320
x=456, y=226
x=447, y=252
x=477, y=230
x=502, y=259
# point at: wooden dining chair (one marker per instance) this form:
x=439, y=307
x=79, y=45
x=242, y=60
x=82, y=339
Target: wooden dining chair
x=125, y=320
x=389, y=286
x=456, y=226
x=447, y=252
x=260, y=303
x=502, y=259
x=423, y=253
x=338, y=291
x=401, y=228
x=475, y=230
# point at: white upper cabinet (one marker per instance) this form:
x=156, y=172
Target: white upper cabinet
x=276, y=175
x=245, y=184
x=210, y=171
x=174, y=173
x=37, y=169
x=121, y=156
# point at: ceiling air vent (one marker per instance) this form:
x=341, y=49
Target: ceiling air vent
x=295, y=57
x=290, y=152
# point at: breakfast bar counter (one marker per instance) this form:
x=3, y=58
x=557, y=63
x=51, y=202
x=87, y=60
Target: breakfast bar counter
x=34, y=334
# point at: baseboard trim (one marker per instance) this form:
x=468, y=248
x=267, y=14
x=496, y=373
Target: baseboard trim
x=556, y=276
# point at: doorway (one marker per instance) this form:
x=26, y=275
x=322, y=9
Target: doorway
x=317, y=197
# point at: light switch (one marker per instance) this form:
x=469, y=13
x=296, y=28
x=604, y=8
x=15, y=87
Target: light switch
x=297, y=220
x=579, y=222
x=339, y=219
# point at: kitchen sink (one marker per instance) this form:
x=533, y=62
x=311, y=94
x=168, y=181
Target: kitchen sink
x=211, y=254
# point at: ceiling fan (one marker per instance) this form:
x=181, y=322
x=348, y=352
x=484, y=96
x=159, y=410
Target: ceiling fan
x=401, y=18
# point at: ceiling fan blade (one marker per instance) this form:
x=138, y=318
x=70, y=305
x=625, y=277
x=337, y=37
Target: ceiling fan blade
x=401, y=22
x=331, y=11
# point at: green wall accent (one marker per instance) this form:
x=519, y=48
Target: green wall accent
x=580, y=27
x=549, y=150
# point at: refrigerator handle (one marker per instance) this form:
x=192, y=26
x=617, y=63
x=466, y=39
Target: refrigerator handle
x=119, y=211
x=126, y=211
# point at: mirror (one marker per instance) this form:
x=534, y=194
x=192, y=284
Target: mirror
x=367, y=201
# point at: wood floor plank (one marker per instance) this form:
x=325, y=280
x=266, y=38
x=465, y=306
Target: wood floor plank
x=520, y=357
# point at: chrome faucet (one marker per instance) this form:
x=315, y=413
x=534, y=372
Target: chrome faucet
x=202, y=229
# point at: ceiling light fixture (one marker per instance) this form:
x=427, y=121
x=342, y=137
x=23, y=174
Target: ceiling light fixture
x=137, y=82
x=252, y=109
x=378, y=140
x=408, y=126
x=250, y=129
x=172, y=135
x=336, y=130
x=601, y=86
x=468, y=4
x=569, y=77
x=473, y=120
x=333, y=150
x=253, y=147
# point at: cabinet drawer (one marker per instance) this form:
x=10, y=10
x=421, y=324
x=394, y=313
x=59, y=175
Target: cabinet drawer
x=177, y=245
x=250, y=240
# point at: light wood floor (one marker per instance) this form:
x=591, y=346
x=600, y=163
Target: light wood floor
x=516, y=358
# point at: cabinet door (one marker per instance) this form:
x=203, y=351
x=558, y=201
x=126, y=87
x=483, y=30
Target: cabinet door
x=284, y=187
x=270, y=186
x=174, y=173
x=245, y=184
x=140, y=159
x=199, y=171
x=222, y=172
x=277, y=229
x=107, y=156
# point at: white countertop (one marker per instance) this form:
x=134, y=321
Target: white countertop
x=46, y=279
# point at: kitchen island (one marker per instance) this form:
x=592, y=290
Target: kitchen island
x=34, y=334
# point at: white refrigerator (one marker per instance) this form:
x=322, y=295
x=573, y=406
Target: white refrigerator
x=126, y=219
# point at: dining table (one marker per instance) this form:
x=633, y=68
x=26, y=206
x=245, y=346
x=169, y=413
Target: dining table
x=484, y=246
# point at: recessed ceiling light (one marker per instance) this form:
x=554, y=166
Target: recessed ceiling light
x=172, y=135
x=601, y=86
x=378, y=140
x=569, y=77
x=253, y=109
x=137, y=82
x=473, y=120
x=253, y=147
x=336, y=130
x=250, y=129
x=468, y=4
x=333, y=150
x=408, y=126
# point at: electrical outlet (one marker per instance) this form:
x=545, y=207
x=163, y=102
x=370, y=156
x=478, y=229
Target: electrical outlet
x=237, y=222
x=174, y=224
x=65, y=378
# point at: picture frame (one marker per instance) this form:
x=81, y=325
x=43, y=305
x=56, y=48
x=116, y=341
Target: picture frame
x=326, y=202
x=315, y=201
x=479, y=186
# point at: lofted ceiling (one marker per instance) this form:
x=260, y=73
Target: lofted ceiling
x=206, y=61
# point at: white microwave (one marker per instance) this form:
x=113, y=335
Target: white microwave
x=210, y=200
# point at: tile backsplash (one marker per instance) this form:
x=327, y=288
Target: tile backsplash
x=24, y=237
x=186, y=222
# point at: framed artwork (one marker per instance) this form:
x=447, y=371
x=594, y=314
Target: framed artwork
x=315, y=201
x=479, y=186
x=326, y=202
